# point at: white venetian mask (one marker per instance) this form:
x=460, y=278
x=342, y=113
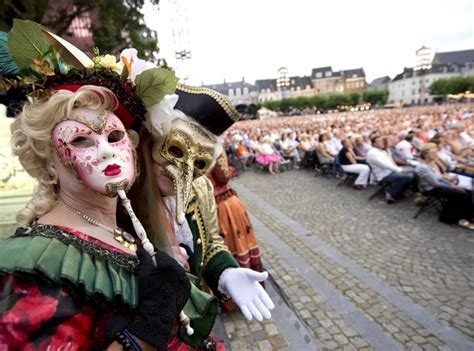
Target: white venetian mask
x=95, y=145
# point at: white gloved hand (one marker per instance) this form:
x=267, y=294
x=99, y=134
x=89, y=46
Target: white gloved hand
x=242, y=285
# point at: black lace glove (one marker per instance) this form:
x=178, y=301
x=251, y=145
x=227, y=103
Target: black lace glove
x=163, y=292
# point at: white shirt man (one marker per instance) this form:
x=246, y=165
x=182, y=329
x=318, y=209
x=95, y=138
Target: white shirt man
x=382, y=163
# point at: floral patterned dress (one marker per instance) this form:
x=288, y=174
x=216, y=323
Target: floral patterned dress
x=63, y=290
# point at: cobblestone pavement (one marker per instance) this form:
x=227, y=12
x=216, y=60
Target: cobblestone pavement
x=357, y=275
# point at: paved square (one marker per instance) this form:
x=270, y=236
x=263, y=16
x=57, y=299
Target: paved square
x=355, y=274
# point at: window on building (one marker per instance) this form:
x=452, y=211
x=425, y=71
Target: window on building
x=319, y=74
x=413, y=92
x=238, y=92
x=246, y=90
x=268, y=90
x=308, y=87
x=231, y=92
x=328, y=74
x=262, y=91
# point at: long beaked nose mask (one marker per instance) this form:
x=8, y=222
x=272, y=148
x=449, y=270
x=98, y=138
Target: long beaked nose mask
x=187, y=160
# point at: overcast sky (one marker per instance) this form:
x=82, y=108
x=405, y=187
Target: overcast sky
x=253, y=38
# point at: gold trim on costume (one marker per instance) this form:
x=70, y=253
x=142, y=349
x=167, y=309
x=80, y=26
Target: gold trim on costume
x=193, y=208
x=220, y=99
x=97, y=127
x=111, y=188
x=214, y=251
x=199, y=131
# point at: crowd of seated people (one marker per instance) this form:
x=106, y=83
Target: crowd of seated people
x=386, y=147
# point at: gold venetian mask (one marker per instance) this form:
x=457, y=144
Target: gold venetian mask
x=186, y=153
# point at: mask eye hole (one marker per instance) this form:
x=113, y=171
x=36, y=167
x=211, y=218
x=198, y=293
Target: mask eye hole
x=115, y=136
x=200, y=164
x=82, y=142
x=175, y=151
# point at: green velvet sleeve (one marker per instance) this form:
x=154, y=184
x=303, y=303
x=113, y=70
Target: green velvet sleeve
x=213, y=270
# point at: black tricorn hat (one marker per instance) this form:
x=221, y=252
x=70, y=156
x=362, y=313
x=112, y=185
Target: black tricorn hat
x=207, y=107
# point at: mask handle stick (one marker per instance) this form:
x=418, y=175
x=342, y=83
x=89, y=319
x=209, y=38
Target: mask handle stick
x=148, y=246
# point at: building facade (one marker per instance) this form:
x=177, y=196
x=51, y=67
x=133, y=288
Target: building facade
x=380, y=83
x=412, y=85
x=240, y=92
x=326, y=81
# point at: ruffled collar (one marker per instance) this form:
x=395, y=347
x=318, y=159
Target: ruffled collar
x=82, y=241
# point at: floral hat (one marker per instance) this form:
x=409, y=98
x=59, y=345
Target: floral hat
x=34, y=63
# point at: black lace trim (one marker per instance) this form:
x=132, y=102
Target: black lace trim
x=129, y=263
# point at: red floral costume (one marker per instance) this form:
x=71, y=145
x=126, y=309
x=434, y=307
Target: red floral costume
x=40, y=312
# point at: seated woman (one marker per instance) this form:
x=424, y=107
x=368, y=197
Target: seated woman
x=359, y=147
x=458, y=208
x=267, y=155
x=324, y=156
x=289, y=149
x=243, y=154
x=448, y=162
x=307, y=150
x=348, y=161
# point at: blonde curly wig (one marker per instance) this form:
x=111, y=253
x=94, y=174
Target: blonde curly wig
x=31, y=141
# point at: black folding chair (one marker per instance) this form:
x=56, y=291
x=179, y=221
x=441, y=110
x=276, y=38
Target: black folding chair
x=431, y=202
x=321, y=168
x=382, y=186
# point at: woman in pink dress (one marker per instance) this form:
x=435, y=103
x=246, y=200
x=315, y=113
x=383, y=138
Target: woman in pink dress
x=268, y=155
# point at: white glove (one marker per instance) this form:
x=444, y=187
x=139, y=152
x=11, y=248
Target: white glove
x=242, y=286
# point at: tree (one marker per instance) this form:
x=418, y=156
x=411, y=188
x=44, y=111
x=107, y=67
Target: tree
x=319, y=101
x=273, y=105
x=375, y=96
x=336, y=100
x=355, y=98
x=285, y=105
x=120, y=23
x=453, y=85
x=439, y=87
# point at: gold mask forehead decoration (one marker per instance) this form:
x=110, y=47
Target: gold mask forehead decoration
x=199, y=131
x=97, y=126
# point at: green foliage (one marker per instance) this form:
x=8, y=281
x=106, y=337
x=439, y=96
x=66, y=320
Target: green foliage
x=153, y=84
x=26, y=42
x=319, y=101
x=453, y=85
x=120, y=23
x=375, y=97
x=355, y=98
x=327, y=102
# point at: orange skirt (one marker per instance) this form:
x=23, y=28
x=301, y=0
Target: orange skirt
x=237, y=231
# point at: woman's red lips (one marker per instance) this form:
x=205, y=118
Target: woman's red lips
x=112, y=170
